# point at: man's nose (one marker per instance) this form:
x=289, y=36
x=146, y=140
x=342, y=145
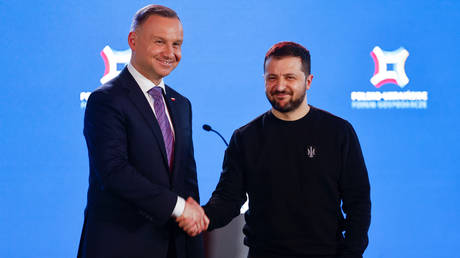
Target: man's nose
x=280, y=85
x=169, y=51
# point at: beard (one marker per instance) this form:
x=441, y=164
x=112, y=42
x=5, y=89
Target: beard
x=293, y=103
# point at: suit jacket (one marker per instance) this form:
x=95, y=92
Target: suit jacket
x=132, y=191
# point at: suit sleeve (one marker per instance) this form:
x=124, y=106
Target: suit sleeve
x=355, y=191
x=106, y=137
x=230, y=193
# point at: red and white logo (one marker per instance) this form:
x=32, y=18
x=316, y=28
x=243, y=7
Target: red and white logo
x=112, y=59
x=389, y=67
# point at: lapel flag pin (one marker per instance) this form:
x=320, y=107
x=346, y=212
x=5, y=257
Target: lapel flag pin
x=173, y=99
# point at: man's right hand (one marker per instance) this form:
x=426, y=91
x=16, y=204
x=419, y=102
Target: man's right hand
x=193, y=220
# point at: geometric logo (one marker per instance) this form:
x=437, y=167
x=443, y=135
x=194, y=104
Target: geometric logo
x=389, y=67
x=112, y=60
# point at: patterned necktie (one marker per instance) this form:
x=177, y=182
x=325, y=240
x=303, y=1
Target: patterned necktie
x=156, y=93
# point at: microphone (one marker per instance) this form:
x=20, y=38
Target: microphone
x=208, y=128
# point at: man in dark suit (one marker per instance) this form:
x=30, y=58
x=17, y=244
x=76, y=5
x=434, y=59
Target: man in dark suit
x=142, y=166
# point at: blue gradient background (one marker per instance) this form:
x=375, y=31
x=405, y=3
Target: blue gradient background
x=51, y=53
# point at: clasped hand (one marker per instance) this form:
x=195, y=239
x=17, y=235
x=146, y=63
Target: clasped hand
x=193, y=220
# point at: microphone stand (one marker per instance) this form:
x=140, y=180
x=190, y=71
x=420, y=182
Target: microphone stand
x=208, y=128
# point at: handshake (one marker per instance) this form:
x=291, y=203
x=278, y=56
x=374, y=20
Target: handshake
x=193, y=220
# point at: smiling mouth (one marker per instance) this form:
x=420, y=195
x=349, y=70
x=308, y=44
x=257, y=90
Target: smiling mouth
x=166, y=62
x=281, y=95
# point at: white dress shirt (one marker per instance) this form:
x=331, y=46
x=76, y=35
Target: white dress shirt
x=145, y=85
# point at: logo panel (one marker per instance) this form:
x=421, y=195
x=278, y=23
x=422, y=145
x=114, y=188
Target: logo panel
x=389, y=68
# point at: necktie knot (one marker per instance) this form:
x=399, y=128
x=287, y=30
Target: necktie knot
x=156, y=93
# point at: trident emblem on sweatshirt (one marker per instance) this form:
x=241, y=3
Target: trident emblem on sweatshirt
x=311, y=152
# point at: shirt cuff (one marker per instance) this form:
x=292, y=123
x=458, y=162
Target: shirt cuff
x=179, y=209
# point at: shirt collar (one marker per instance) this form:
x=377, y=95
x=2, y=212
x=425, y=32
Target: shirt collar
x=144, y=83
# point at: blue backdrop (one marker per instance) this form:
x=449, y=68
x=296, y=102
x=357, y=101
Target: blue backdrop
x=51, y=53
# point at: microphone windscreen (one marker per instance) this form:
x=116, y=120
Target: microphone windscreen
x=207, y=127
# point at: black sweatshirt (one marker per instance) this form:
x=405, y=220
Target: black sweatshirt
x=296, y=174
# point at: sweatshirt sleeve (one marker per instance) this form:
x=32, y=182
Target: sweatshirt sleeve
x=355, y=192
x=230, y=193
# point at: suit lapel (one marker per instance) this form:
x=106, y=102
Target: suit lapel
x=138, y=98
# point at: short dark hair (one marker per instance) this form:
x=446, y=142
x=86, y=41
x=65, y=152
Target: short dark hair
x=288, y=48
x=145, y=12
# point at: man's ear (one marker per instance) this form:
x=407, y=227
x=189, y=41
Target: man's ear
x=308, y=81
x=132, y=40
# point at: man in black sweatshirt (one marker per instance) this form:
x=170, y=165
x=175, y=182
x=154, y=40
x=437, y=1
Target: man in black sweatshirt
x=301, y=167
